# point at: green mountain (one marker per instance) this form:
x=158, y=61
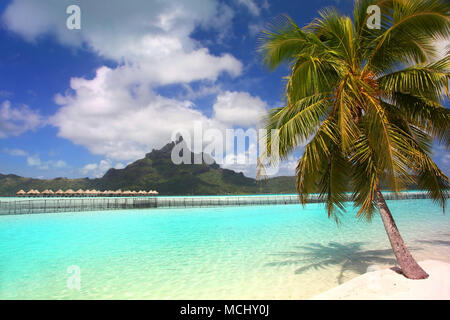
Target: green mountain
x=157, y=171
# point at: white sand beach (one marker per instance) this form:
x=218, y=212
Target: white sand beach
x=390, y=285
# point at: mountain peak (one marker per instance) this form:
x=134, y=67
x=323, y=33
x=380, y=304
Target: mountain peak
x=157, y=171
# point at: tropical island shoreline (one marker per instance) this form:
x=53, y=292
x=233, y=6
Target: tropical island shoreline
x=388, y=284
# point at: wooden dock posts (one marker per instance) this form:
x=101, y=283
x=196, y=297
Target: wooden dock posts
x=49, y=205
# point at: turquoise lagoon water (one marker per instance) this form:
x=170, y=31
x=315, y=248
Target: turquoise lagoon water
x=254, y=252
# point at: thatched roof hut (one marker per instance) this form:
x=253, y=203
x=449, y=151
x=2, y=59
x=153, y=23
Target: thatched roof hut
x=21, y=193
x=50, y=192
x=69, y=192
x=33, y=192
x=59, y=192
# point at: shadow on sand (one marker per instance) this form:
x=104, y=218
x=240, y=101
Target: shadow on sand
x=435, y=242
x=349, y=257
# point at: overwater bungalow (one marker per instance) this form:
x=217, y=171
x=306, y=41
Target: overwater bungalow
x=21, y=193
x=59, y=192
x=69, y=193
x=33, y=193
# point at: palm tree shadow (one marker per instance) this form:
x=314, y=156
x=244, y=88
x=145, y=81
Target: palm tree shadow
x=349, y=257
x=435, y=242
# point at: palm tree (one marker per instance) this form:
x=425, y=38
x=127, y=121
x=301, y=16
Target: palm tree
x=369, y=104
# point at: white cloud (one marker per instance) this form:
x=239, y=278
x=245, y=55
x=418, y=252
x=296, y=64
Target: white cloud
x=5, y=94
x=446, y=159
x=239, y=109
x=97, y=170
x=119, y=122
x=15, y=152
x=255, y=28
x=59, y=164
x=124, y=124
x=202, y=91
x=35, y=161
x=240, y=163
x=151, y=38
x=118, y=113
x=443, y=48
x=251, y=6
x=15, y=121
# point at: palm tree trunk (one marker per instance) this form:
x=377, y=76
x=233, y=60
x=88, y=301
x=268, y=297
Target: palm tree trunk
x=410, y=268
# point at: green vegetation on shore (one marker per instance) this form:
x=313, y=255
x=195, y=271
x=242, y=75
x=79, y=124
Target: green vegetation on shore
x=157, y=171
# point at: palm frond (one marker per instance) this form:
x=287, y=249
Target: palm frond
x=408, y=30
x=370, y=102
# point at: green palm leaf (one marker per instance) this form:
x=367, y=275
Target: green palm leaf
x=368, y=101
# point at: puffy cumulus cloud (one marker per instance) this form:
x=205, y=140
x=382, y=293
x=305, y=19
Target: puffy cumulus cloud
x=17, y=120
x=118, y=113
x=122, y=122
x=97, y=170
x=239, y=109
x=151, y=38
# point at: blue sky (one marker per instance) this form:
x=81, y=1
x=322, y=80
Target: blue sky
x=74, y=103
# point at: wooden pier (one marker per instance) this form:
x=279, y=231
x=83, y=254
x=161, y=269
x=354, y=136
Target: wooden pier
x=49, y=205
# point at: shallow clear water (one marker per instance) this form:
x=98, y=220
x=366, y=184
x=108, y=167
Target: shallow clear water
x=255, y=252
